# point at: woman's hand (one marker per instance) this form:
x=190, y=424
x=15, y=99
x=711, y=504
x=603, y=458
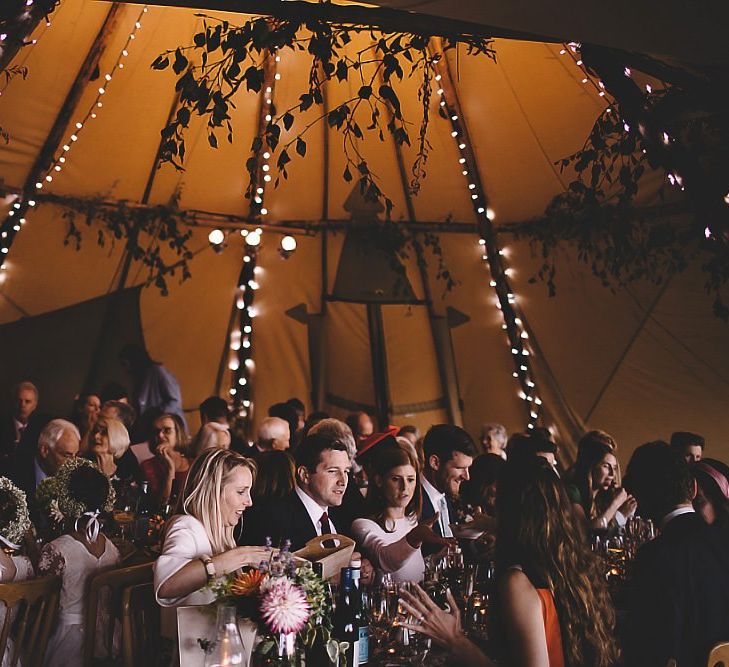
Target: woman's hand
x=234, y=559
x=423, y=534
x=443, y=627
x=165, y=453
x=628, y=508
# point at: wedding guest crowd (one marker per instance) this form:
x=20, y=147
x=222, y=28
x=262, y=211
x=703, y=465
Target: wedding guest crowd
x=505, y=501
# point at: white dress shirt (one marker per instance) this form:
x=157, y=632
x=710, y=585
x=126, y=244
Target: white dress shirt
x=686, y=509
x=440, y=504
x=314, y=510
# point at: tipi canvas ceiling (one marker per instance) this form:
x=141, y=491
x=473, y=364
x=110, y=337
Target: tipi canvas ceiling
x=640, y=363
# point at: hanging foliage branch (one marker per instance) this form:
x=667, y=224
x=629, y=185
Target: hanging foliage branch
x=225, y=59
x=671, y=140
x=143, y=230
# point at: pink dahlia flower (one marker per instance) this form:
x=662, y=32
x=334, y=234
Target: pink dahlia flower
x=284, y=607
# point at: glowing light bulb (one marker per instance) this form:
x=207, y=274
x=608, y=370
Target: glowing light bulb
x=216, y=237
x=253, y=238
x=288, y=243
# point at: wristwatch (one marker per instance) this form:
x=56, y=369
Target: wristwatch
x=209, y=567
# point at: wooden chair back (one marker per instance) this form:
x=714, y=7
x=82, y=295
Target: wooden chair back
x=115, y=581
x=30, y=609
x=140, y=626
x=719, y=656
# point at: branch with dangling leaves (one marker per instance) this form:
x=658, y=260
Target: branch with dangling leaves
x=207, y=88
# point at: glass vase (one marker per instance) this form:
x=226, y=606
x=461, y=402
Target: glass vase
x=227, y=650
x=280, y=651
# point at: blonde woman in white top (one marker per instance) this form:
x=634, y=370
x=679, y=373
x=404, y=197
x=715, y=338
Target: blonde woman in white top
x=391, y=538
x=198, y=543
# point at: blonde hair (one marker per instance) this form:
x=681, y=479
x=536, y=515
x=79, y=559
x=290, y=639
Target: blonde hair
x=203, y=491
x=118, y=436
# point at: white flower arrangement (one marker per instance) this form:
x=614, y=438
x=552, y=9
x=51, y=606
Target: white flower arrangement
x=15, y=525
x=53, y=496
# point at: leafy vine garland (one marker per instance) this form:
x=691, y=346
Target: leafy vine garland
x=233, y=57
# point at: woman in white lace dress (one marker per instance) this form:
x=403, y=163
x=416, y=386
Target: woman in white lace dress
x=81, y=492
x=14, y=524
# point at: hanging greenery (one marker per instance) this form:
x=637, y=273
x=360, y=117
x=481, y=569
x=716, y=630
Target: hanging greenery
x=224, y=59
x=143, y=230
x=597, y=215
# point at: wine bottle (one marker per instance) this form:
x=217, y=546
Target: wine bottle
x=363, y=629
x=348, y=619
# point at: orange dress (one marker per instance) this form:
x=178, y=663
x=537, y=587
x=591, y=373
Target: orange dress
x=551, y=628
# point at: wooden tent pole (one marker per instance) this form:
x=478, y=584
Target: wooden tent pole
x=447, y=371
x=63, y=118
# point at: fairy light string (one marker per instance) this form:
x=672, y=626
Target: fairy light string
x=240, y=361
x=494, y=256
x=17, y=215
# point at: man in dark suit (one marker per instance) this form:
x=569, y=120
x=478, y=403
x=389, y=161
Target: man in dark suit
x=448, y=452
x=680, y=605
x=19, y=429
x=322, y=473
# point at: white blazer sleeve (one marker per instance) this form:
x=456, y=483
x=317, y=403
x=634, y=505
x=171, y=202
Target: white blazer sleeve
x=183, y=543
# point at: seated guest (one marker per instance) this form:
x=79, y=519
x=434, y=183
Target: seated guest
x=86, y=410
x=480, y=491
x=14, y=524
x=353, y=505
x=288, y=414
x=215, y=410
x=198, y=544
x=167, y=469
x=119, y=410
x=449, y=452
x=361, y=425
x=19, y=428
x=211, y=435
x=80, y=493
x=410, y=432
x=322, y=474
x=712, y=492
x=594, y=487
x=688, y=445
x=553, y=600
x=58, y=442
x=391, y=536
x=109, y=449
x=276, y=477
x=525, y=446
x=680, y=605
x=493, y=439
x=273, y=434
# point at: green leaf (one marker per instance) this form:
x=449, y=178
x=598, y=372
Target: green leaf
x=365, y=92
x=288, y=120
x=199, y=39
x=347, y=174
x=212, y=140
x=180, y=62
x=161, y=62
x=301, y=147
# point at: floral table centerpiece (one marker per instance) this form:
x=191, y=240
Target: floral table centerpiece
x=288, y=602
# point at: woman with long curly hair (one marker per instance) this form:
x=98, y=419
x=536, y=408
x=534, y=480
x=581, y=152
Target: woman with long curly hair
x=553, y=600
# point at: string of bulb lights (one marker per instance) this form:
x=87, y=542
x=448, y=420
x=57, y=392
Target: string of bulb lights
x=17, y=215
x=241, y=338
x=493, y=255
